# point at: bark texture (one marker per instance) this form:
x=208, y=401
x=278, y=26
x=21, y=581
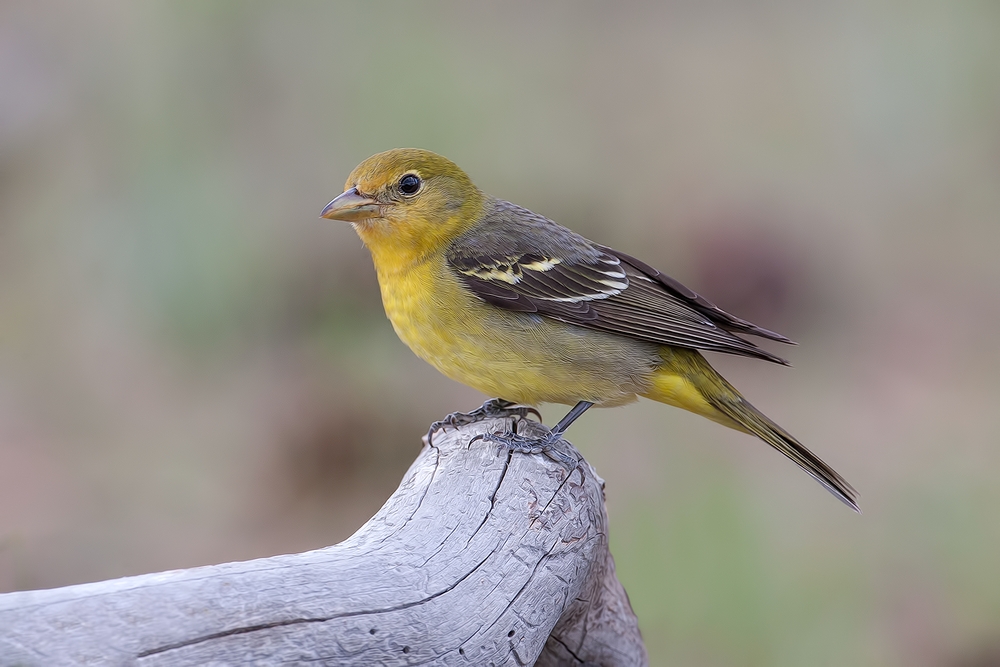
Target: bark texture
x=481, y=557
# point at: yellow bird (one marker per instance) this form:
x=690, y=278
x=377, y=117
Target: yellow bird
x=516, y=306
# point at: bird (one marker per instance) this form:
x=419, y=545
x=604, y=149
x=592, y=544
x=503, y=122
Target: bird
x=516, y=306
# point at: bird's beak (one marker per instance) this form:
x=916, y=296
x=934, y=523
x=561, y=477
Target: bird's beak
x=351, y=207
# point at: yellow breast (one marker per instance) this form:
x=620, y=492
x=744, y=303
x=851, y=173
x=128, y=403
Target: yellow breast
x=518, y=356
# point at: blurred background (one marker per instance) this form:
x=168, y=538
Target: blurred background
x=194, y=368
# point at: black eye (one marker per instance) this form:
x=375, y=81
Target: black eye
x=409, y=184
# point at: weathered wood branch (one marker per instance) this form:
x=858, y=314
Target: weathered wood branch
x=480, y=557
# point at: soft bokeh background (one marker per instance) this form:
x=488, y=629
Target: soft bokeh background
x=194, y=368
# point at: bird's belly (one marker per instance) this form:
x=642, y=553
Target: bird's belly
x=517, y=356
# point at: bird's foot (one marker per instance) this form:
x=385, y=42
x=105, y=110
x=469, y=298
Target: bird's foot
x=513, y=441
x=491, y=409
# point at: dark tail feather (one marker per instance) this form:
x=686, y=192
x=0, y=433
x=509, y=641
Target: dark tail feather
x=756, y=423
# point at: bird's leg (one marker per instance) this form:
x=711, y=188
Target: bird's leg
x=514, y=441
x=570, y=417
x=495, y=407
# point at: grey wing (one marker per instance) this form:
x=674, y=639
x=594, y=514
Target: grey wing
x=521, y=261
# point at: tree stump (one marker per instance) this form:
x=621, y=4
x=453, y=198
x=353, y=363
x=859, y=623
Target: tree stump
x=482, y=556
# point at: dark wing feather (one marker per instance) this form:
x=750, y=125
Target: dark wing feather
x=521, y=261
x=722, y=318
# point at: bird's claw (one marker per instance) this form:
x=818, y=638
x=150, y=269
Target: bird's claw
x=491, y=409
x=513, y=441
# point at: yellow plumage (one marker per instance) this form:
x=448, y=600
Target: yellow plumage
x=515, y=306
x=526, y=359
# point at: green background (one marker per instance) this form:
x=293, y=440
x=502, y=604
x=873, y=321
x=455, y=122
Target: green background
x=194, y=368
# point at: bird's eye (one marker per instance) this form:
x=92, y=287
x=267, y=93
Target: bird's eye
x=409, y=184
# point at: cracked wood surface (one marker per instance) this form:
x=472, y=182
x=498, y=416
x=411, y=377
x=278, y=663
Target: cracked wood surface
x=480, y=557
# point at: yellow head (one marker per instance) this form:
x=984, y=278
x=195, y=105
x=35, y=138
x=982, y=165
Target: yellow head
x=407, y=203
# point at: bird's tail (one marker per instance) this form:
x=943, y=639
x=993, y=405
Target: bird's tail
x=686, y=380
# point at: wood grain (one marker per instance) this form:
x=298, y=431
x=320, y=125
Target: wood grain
x=480, y=557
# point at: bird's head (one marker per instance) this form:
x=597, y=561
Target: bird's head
x=408, y=202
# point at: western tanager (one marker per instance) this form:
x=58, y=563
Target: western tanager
x=516, y=306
